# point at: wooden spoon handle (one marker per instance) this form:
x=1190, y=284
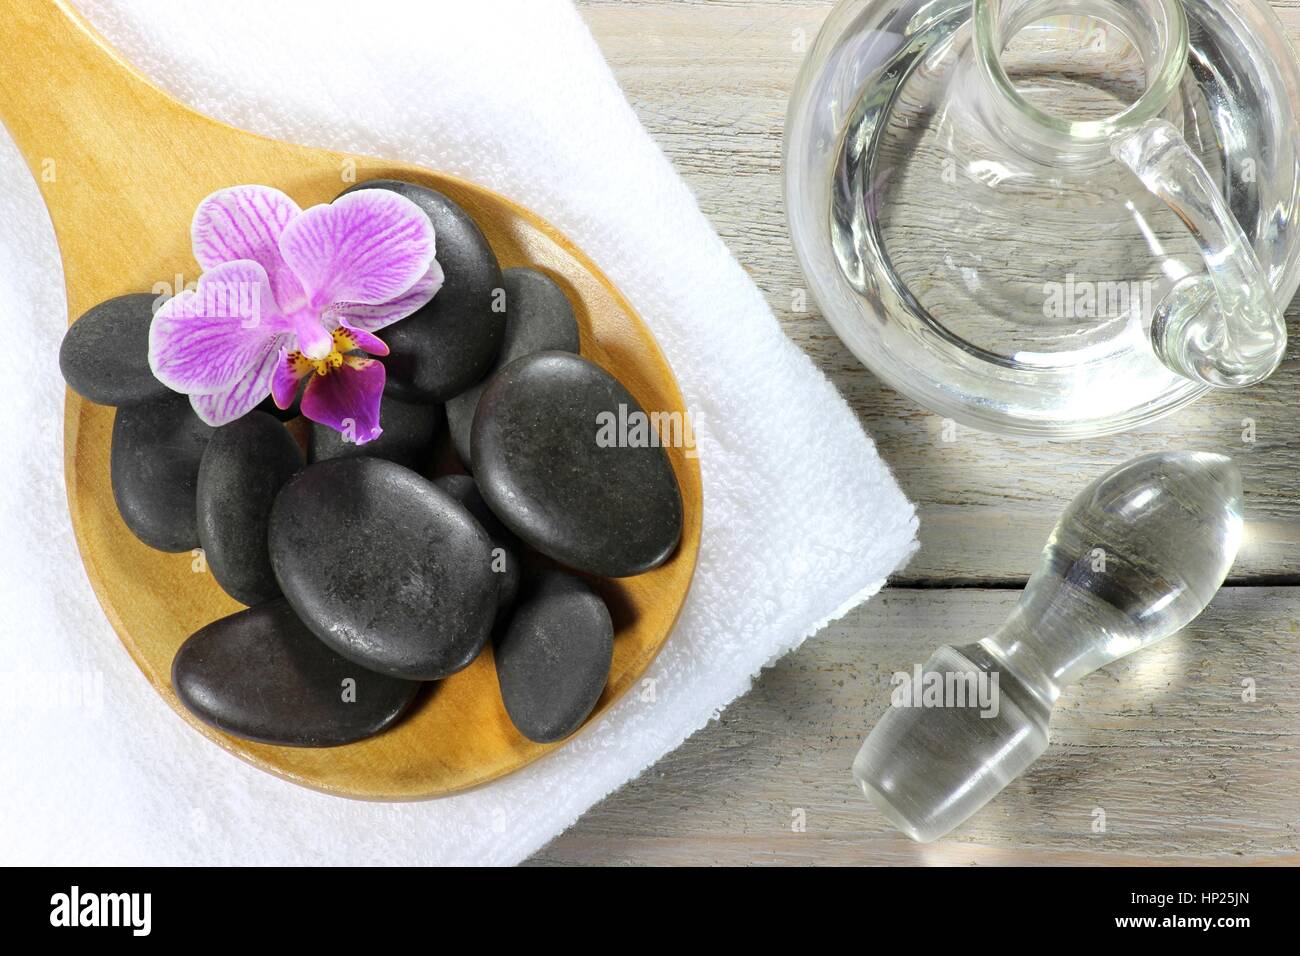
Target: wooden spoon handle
x=121, y=165
x=67, y=98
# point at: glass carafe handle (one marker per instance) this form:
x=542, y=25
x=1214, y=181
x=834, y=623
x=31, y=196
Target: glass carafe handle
x=1221, y=327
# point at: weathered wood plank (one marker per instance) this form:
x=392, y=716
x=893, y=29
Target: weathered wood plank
x=710, y=82
x=1185, y=770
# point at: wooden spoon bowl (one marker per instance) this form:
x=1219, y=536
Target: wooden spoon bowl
x=122, y=167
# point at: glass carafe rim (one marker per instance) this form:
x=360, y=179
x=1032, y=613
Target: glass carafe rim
x=1163, y=79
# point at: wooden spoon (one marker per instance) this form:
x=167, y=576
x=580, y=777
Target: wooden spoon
x=122, y=167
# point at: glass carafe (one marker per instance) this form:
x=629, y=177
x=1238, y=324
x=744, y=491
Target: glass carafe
x=1050, y=218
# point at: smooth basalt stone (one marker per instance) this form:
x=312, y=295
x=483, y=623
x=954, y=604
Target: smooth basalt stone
x=539, y=318
x=244, y=467
x=261, y=674
x=464, y=490
x=449, y=344
x=105, y=353
x=268, y=406
x=408, y=437
x=384, y=567
x=553, y=660
x=613, y=511
x=154, y=469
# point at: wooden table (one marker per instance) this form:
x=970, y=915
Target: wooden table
x=1164, y=757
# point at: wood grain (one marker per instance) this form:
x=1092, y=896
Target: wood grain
x=1184, y=769
x=1162, y=742
x=122, y=168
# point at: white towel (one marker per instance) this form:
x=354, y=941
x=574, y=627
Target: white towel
x=802, y=519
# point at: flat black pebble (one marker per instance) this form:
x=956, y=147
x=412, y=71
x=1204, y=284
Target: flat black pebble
x=384, y=566
x=506, y=563
x=244, y=467
x=449, y=344
x=542, y=464
x=539, y=318
x=553, y=660
x=283, y=414
x=409, y=434
x=105, y=353
x=262, y=675
x=154, y=469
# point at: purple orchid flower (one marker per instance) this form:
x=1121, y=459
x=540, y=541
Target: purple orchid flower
x=287, y=293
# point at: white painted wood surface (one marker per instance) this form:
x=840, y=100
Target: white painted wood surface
x=1183, y=768
x=1162, y=743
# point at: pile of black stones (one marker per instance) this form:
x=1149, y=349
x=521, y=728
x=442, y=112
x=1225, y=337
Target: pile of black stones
x=486, y=511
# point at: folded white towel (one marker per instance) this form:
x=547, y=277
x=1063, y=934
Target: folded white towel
x=802, y=519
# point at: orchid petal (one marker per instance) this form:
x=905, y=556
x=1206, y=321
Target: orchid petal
x=291, y=368
x=246, y=222
x=218, y=408
x=372, y=318
x=347, y=339
x=367, y=247
x=347, y=399
x=205, y=340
